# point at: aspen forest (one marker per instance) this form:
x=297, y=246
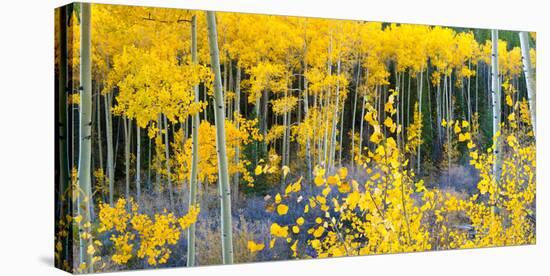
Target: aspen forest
x=189, y=138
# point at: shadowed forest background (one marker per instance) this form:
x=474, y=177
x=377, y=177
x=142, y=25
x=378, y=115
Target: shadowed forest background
x=189, y=138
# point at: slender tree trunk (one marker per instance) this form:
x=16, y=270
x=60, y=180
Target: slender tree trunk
x=264, y=124
x=149, y=164
x=495, y=92
x=167, y=155
x=529, y=77
x=138, y=161
x=62, y=202
x=418, y=156
x=398, y=113
x=335, y=119
x=408, y=99
x=99, y=140
x=468, y=95
x=110, y=154
x=326, y=150
x=448, y=107
x=360, y=144
x=205, y=98
x=237, y=177
x=341, y=134
x=158, y=151
x=195, y=151
x=85, y=150
x=438, y=102
x=306, y=112
x=127, y=142
x=62, y=113
x=225, y=198
x=357, y=82
x=476, y=90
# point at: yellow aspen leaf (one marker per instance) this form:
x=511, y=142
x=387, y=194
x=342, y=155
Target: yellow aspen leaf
x=333, y=180
x=352, y=199
x=278, y=198
x=377, y=136
x=457, y=128
x=343, y=172
x=297, y=186
x=319, y=231
x=388, y=122
x=509, y=101
x=90, y=250
x=344, y=187
x=319, y=180
x=258, y=170
x=286, y=170
x=325, y=192
x=300, y=221
x=295, y=229
x=254, y=247
x=279, y=231
x=282, y=209
x=293, y=247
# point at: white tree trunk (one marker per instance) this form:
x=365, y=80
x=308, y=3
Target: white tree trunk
x=308, y=140
x=167, y=155
x=195, y=151
x=418, y=157
x=127, y=142
x=226, y=225
x=110, y=154
x=529, y=77
x=357, y=81
x=334, y=119
x=85, y=150
x=495, y=92
x=138, y=161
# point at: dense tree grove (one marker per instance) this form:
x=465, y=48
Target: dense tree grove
x=285, y=137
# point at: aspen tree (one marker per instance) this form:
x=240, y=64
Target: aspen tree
x=195, y=151
x=418, y=157
x=99, y=138
x=127, y=141
x=335, y=117
x=110, y=154
x=62, y=111
x=85, y=124
x=529, y=77
x=236, y=177
x=138, y=161
x=306, y=112
x=362, y=120
x=63, y=205
x=356, y=92
x=496, y=106
x=224, y=188
x=167, y=156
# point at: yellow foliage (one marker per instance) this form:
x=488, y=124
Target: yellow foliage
x=254, y=247
x=155, y=233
